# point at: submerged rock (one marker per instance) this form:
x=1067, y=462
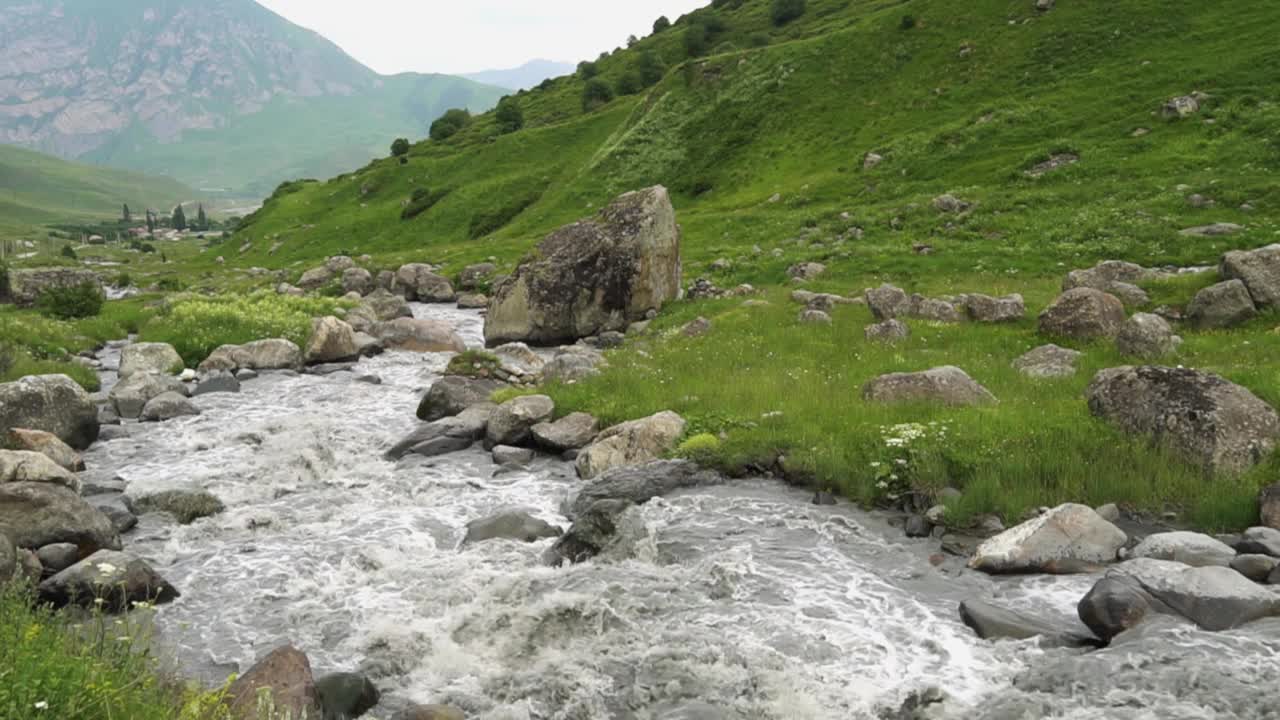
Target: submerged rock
x=186, y=506
x=991, y=622
x=510, y=525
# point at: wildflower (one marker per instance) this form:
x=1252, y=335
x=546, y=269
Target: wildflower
x=42, y=705
x=107, y=568
x=875, y=464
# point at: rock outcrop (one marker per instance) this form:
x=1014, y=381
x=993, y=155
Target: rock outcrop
x=592, y=276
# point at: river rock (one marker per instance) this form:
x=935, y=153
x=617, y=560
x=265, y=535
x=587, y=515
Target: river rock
x=57, y=557
x=116, y=578
x=473, y=276
x=332, y=340
x=592, y=276
x=452, y=394
x=512, y=422
x=285, y=676
x=159, y=358
x=1188, y=548
x=946, y=385
x=1260, y=541
x=888, y=332
x=357, y=280
x=26, y=286
x=887, y=302
x=518, y=356
x=130, y=396
x=991, y=622
x=39, y=514
x=1067, y=539
x=46, y=444
x=987, y=309
x=272, y=354
x=473, y=301
x=419, y=336
x=571, y=432
x=1083, y=314
x=574, y=363
x=27, y=466
x=462, y=430
x=346, y=696
x=1224, y=305
x=507, y=455
x=416, y=281
x=167, y=406
x=510, y=525
x=52, y=403
x=315, y=278
x=385, y=305
x=1259, y=270
x=430, y=712
x=1215, y=598
x=186, y=506
x=1212, y=422
x=117, y=509
x=1146, y=336
x=218, y=381
x=631, y=443
x=1255, y=567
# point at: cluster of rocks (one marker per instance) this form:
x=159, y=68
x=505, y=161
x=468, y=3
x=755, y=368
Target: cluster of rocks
x=889, y=302
x=1213, y=582
x=413, y=281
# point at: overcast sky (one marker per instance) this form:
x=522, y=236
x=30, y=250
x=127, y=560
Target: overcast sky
x=457, y=36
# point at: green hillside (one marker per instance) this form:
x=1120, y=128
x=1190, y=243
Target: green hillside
x=38, y=189
x=762, y=139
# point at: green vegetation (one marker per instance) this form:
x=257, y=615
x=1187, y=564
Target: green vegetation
x=198, y=325
x=400, y=147
x=448, y=125
x=41, y=345
x=784, y=11
x=508, y=115
x=422, y=201
x=81, y=301
x=473, y=363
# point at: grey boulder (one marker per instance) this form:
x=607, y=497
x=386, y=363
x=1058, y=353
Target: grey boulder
x=1188, y=548
x=516, y=525
x=52, y=403
x=946, y=385
x=1070, y=538
x=39, y=514
x=168, y=406
x=512, y=422
x=1224, y=305
x=159, y=358
x=571, y=432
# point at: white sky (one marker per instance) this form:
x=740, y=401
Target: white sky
x=457, y=36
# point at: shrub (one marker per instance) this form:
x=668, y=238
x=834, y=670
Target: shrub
x=588, y=70
x=123, y=280
x=487, y=222
x=696, y=40
x=400, y=147
x=509, y=115
x=699, y=448
x=422, y=201
x=908, y=22
x=596, y=93
x=67, y=303
x=69, y=253
x=649, y=68
x=170, y=285
x=784, y=11
x=448, y=124
x=4, y=279
x=7, y=358
x=661, y=24
x=758, y=39
x=629, y=84
x=473, y=363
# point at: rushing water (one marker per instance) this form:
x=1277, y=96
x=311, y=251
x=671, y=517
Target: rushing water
x=740, y=601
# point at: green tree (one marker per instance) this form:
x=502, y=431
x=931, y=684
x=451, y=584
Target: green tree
x=151, y=223
x=629, y=83
x=400, y=147
x=662, y=23
x=650, y=68
x=596, y=93
x=784, y=11
x=509, y=115
x=588, y=70
x=448, y=124
x=128, y=216
x=696, y=40
x=179, y=219
x=69, y=253
x=202, y=220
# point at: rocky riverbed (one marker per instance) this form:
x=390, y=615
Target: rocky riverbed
x=737, y=600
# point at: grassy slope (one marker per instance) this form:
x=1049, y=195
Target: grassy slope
x=37, y=189
x=963, y=103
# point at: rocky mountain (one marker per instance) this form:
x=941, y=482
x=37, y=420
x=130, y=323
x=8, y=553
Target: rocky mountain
x=524, y=77
x=222, y=94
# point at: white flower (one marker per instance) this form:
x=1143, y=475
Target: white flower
x=107, y=567
x=875, y=464
x=42, y=705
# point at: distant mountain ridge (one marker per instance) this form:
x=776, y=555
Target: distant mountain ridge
x=526, y=76
x=220, y=94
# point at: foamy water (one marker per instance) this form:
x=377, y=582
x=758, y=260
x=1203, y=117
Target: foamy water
x=739, y=601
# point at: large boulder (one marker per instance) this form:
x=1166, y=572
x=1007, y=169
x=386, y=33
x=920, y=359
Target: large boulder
x=332, y=340
x=420, y=282
x=271, y=354
x=416, y=335
x=158, y=358
x=473, y=276
x=631, y=443
x=37, y=514
x=34, y=467
x=1212, y=422
x=987, y=309
x=991, y=622
x=574, y=363
x=1269, y=506
x=1189, y=548
x=167, y=406
x=1223, y=305
x=887, y=302
x=1146, y=336
x=48, y=445
x=26, y=286
x=592, y=276
x=1083, y=314
x=1048, y=361
x=315, y=278
x=888, y=332
x=571, y=432
x=52, y=403
x=1067, y=539
x=116, y=578
x=510, y=525
x=130, y=396
x=1259, y=270
x=512, y=422
x=452, y=394
x=947, y=385
x=1215, y=598
x=386, y=305
x=357, y=280
x=1115, y=278
x=284, y=677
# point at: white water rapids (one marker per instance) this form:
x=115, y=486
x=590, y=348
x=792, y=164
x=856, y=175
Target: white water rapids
x=740, y=601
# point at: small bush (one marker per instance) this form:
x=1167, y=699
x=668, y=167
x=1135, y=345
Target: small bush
x=509, y=116
x=79, y=301
x=487, y=222
x=699, y=448
x=696, y=40
x=473, y=363
x=629, y=84
x=422, y=201
x=588, y=70
x=908, y=22
x=596, y=93
x=123, y=280
x=400, y=147
x=449, y=124
x=69, y=253
x=661, y=24
x=170, y=285
x=784, y=11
